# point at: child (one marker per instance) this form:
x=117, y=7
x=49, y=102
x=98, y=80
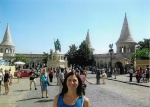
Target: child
x=104, y=76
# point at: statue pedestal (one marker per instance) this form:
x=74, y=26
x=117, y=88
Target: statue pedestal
x=57, y=61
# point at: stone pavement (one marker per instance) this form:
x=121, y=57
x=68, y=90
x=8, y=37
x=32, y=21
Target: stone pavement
x=16, y=92
x=21, y=96
x=125, y=79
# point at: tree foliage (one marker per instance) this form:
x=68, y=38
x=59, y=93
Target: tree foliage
x=142, y=50
x=20, y=58
x=84, y=54
x=46, y=57
x=71, y=54
x=80, y=56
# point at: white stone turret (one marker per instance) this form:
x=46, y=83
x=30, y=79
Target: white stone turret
x=88, y=41
x=125, y=43
x=125, y=35
x=7, y=47
x=7, y=38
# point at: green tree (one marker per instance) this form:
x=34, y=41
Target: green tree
x=142, y=50
x=46, y=56
x=143, y=44
x=20, y=58
x=71, y=54
x=84, y=56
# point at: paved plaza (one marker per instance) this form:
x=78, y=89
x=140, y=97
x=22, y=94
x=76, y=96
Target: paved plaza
x=115, y=93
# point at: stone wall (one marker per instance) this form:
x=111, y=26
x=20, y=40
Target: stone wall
x=142, y=63
x=13, y=69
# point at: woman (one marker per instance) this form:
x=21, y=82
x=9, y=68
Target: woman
x=10, y=78
x=6, y=82
x=72, y=93
x=19, y=76
x=51, y=72
x=147, y=75
x=1, y=78
x=104, y=76
x=44, y=83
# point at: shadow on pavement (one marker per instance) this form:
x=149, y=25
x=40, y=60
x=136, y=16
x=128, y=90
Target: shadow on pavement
x=43, y=101
x=49, y=85
x=20, y=90
x=29, y=99
x=53, y=85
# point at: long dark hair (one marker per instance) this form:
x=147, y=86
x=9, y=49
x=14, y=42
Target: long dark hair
x=80, y=91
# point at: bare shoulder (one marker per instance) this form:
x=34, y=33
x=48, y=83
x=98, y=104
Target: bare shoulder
x=56, y=97
x=86, y=102
x=55, y=101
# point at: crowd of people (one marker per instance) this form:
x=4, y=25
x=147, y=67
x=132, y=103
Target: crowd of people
x=71, y=86
x=142, y=75
x=6, y=78
x=71, y=83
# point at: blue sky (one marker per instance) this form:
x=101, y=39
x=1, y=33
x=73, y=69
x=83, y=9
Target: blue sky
x=34, y=24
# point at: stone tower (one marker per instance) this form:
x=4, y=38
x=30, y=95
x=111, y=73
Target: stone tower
x=89, y=41
x=7, y=47
x=125, y=44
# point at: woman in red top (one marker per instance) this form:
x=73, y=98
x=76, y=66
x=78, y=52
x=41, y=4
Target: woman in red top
x=51, y=75
x=138, y=75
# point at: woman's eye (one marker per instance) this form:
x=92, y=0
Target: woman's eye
x=74, y=80
x=69, y=80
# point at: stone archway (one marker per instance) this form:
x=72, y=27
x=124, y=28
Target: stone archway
x=127, y=68
x=120, y=66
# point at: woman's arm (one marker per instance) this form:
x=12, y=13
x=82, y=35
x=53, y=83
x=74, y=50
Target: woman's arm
x=86, y=102
x=55, y=101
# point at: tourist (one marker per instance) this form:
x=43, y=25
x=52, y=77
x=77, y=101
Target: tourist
x=65, y=71
x=147, y=74
x=115, y=72
x=32, y=77
x=58, y=70
x=131, y=73
x=104, y=76
x=18, y=76
x=6, y=82
x=61, y=79
x=83, y=79
x=143, y=75
x=1, y=78
x=44, y=82
x=10, y=78
x=51, y=72
x=72, y=93
x=138, y=75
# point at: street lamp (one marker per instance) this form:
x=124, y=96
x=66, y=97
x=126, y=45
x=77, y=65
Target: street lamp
x=111, y=51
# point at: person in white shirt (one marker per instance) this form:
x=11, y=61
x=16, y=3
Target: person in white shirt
x=1, y=78
x=131, y=73
x=60, y=79
x=104, y=76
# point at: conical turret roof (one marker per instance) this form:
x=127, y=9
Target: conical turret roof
x=7, y=38
x=125, y=35
x=88, y=41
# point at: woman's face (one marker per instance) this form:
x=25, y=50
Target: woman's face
x=44, y=71
x=72, y=82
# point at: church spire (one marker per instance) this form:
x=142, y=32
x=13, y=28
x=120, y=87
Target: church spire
x=88, y=41
x=7, y=37
x=125, y=35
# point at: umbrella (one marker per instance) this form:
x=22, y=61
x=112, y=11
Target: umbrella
x=19, y=63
